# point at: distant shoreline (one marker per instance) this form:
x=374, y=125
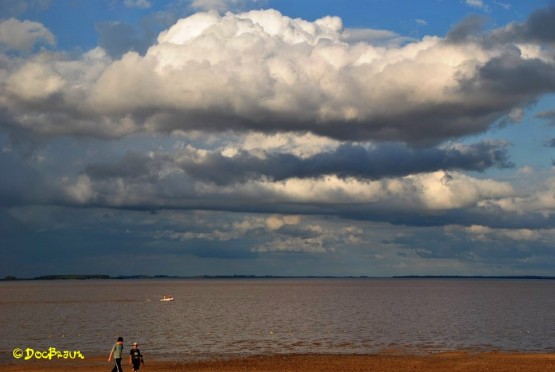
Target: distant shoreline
x=128, y=277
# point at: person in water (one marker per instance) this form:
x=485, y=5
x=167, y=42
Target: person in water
x=116, y=353
x=135, y=357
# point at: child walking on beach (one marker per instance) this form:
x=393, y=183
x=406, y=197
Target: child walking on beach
x=116, y=352
x=135, y=357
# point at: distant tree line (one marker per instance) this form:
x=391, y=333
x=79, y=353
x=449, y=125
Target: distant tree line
x=63, y=277
x=59, y=277
x=83, y=277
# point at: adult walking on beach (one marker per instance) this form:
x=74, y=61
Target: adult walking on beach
x=135, y=357
x=116, y=353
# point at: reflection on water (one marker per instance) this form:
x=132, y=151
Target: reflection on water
x=238, y=317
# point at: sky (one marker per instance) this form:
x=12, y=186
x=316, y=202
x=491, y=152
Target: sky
x=277, y=137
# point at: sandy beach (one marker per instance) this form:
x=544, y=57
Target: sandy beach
x=454, y=361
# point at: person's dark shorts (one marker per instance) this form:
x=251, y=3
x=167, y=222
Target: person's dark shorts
x=136, y=364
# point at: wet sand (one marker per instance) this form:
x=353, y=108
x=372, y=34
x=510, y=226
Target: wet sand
x=455, y=361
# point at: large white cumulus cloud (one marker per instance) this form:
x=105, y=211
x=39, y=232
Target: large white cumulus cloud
x=264, y=71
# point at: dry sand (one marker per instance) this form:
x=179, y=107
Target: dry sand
x=452, y=362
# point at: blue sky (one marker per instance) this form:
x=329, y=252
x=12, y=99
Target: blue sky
x=191, y=137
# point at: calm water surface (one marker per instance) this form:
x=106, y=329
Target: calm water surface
x=213, y=318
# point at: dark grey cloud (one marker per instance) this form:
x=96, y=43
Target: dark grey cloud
x=132, y=165
x=514, y=78
x=174, y=181
x=20, y=183
x=231, y=250
x=491, y=248
x=348, y=160
x=468, y=28
x=297, y=231
x=490, y=215
x=504, y=83
x=384, y=160
x=42, y=240
x=539, y=27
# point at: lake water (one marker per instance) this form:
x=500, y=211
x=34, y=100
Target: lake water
x=215, y=318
